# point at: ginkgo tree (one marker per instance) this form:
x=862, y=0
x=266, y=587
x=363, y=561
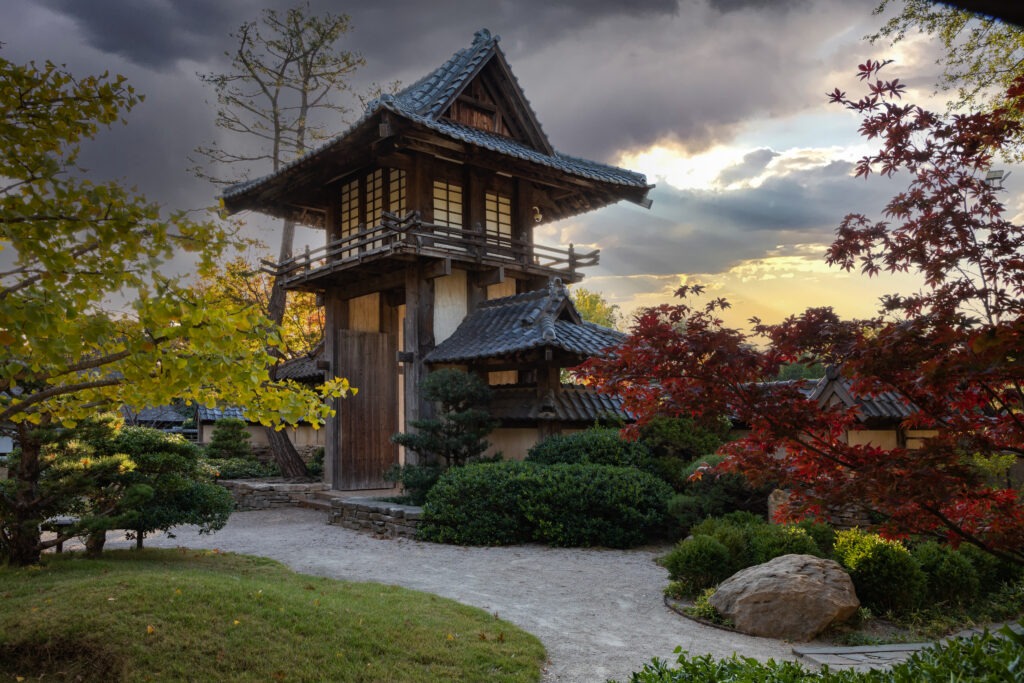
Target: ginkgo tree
x=88, y=320
x=952, y=350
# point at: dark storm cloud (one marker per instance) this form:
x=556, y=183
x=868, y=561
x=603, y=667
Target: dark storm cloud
x=153, y=33
x=752, y=165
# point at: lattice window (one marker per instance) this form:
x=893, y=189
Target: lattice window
x=396, y=192
x=374, y=197
x=447, y=204
x=498, y=217
x=350, y=208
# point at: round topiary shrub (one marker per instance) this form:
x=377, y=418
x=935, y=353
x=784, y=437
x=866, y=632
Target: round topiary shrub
x=885, y=574
x=771, y=540
x=594, y=505
x=992, y=571
x=477, y=504
x=698, y=563
x=951, y=576
x=598, y=446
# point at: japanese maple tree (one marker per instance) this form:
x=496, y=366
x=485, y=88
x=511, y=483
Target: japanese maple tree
x=952, y=350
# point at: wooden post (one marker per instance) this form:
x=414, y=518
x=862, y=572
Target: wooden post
x=335, y=319
x=419, y=340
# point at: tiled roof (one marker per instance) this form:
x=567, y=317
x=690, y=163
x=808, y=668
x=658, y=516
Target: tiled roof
x=573, y=403
x=524, y=322
x=214, y=414
x=303, y=368
x=149, y=416
x=882, y=406
x=428, y=98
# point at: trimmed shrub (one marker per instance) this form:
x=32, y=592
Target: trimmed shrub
x=698, y=563
x=587, y=505
x=992, y=571
x=769, y=541
x=415, y=480
x=823, y=534
x=315, y=466
x=951, y=576
x=885, y=574
x=242, y=468
x=714, y=495
x=230, y=439
x=564, y=505
x=477, y=505
x=597, y=446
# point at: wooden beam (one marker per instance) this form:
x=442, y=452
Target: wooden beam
x=438, y=269
x=493, y=276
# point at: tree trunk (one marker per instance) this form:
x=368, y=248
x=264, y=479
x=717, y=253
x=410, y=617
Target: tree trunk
x=23, y=534
x=285, y=455
x=139, y=536
x=291, y=465
x=94, y=543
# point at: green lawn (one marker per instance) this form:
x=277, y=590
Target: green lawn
x=176, y=615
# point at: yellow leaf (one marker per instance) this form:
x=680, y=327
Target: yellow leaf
x=150, y=630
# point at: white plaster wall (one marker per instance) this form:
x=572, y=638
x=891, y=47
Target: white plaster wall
x=502, y=289
x=450, y=304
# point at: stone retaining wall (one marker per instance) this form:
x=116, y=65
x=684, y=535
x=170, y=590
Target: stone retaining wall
x=378, y=517
x=259, y=494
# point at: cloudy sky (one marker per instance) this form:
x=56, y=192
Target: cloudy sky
x=720, y=102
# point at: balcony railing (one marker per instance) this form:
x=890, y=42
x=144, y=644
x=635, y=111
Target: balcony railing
x=410, y=235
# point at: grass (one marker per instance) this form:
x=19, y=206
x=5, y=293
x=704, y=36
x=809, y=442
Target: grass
x=172, y=615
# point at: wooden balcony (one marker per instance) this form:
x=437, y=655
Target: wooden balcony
x=388, y=248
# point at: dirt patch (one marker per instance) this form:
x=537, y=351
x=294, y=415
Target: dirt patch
x=600, y=613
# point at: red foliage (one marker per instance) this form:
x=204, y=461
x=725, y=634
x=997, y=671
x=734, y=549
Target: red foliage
x=953, y=350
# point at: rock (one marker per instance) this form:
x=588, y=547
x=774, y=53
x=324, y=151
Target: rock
x=793, y=597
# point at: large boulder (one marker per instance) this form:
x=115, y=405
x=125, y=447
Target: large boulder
x=793, y=597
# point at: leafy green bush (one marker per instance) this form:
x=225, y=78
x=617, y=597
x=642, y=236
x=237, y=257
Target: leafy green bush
x=698, y=563
x=415, y=480
x=885, y=574
x=984, y=657
x=769, y=541
x=566, y=505
x=586, y=505
x=824, y=535
x=242, y=468
x=597, y=446
x=230, y=439
x=992, y=571
x=477, y=505
x=714, y=495
x=315, y=466
x=951, y=578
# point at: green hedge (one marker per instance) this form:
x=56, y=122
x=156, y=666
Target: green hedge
x=985, y=657
x=242, y=468
x=562, y=505
x=597, y=446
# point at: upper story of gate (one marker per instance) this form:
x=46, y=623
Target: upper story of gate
x=453, y=171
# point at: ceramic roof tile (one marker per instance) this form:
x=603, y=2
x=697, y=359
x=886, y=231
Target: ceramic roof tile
x=572, y=403
x=524, y=322
x=214, y=414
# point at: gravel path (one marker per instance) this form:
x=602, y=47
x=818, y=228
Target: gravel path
x=599, y=613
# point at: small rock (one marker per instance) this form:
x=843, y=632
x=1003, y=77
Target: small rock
x=793, y=597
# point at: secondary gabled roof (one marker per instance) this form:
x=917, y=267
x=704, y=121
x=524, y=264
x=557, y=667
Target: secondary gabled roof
x=424, y=104
x=885, y=406
x=545, y=318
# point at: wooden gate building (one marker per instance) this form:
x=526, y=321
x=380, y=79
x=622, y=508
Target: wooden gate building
x=429, y=204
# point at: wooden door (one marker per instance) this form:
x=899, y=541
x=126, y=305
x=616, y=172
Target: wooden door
x=368, y=419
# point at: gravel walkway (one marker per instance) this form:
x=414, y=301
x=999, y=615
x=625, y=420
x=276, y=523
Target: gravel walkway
x=599, y=613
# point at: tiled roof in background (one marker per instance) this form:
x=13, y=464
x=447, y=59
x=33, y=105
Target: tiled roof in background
x=214, y=414
x=573, y=403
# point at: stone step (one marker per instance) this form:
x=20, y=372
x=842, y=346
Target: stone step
x=316, y=503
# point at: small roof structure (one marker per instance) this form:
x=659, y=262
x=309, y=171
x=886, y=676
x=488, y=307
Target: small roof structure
x=209, y=415
x=534, y=321
x=160, y=417
x=426, y=106
x=884, y=407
